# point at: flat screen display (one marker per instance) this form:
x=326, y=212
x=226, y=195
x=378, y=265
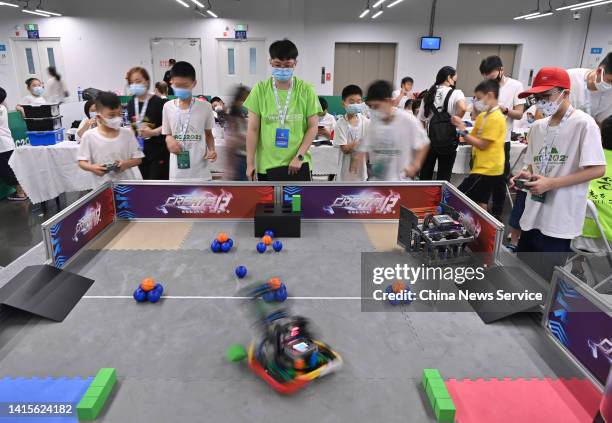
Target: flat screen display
x=430, y=43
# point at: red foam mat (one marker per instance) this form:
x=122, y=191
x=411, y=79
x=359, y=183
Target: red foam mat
x=524, y=400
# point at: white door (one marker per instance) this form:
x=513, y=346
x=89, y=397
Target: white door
x=240, y=62
x=33, y=57
x=180, y=49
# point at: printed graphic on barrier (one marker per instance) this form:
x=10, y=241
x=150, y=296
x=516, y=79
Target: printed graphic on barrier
x=189, y=201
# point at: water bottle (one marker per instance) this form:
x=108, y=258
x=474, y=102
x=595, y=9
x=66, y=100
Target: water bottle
x=80, y=93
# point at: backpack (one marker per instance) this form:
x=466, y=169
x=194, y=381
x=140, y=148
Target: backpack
x=442, y=133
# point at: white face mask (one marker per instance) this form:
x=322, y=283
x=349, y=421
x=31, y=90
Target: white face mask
x=480, y=106
x=113, y=123
x=602, y=86
x=549, y=108
x=218, y=109
x=92, y=115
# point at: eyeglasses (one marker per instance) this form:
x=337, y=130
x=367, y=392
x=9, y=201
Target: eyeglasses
x=546, y=95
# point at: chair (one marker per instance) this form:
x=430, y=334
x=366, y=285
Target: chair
x=594, y=255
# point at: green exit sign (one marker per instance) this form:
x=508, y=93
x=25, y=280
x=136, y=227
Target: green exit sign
x=241, y=27
x=31, y=27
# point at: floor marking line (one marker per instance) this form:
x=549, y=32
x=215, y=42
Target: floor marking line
x=206, y=297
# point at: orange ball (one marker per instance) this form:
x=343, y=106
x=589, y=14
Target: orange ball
x=274, y=283
x=266, y=239
x=222, y=237
x=147, y=284
x=398, y=286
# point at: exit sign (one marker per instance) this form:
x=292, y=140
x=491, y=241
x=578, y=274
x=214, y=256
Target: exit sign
x=31, y=27
x=241, y=27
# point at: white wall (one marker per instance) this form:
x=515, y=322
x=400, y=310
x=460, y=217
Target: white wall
x=600, y=35
x=101, y=40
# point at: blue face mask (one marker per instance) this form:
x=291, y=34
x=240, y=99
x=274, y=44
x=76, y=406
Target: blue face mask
x=353, y=109
x=182, y=93
x=38, y=91
x=282, y=74
x=138, y=89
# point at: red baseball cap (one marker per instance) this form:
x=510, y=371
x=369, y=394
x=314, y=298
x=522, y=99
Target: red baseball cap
x=547, y=79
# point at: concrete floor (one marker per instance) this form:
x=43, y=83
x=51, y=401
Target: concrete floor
x=170, y=356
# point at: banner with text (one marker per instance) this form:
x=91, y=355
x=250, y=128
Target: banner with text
x=363, y=202
x=189, y=201
x=79, y=227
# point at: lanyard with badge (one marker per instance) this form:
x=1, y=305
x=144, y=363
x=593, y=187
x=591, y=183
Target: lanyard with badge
x=140, y=118
x=282, y=134
x=548, y=150
x=182, y=158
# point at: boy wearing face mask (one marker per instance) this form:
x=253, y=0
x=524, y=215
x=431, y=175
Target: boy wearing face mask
x=564, y=153
x=395, y=141
x=487, y=139
x=592, y=89
x=110, y=151
x=187, y=125
x=327, y=122
x=349, y=133
x=283, y=120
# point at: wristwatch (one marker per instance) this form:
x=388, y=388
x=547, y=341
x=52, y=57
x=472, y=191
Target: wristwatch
x=505, y=111
x=300, y=157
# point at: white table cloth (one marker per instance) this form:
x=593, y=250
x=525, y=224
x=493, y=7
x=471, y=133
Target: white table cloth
x=464, y=154
x=45, y=172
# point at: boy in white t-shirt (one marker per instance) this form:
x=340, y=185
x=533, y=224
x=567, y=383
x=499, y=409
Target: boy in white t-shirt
x=395, y=142
x=327, y=122
x=350, y=131
x=564, y=153
x=401, y=96
x=110, y=151
x=187, y=125
x=592, y=89
x=7, y=145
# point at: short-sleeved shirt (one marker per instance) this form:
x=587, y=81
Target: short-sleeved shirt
x=328, y=121
x=404, y=99
x=441, y=94
x=600, y=193
x=598, y=104
x=509, y=97
x=303, y=104
x=175, y=121
x=32, y=100
x=152, y=118
x=347, y=134
x=490, y=126
x=391, y=146
x=98, y=149
x=577, y=144
x=6, y=139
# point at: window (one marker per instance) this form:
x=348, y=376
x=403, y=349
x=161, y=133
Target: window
x=253, y=61
x=231, y=68
x=30, y=60
x=51, y=56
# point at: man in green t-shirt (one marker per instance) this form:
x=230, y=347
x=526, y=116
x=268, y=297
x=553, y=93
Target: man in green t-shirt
x=600, y=190
x=283, y=120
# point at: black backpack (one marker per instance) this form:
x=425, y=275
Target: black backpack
x=442, y=132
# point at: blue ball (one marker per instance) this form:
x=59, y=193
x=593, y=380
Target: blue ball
x=389, y=290
x=269, y=296
x=215, y=246
x=160, y=288
x=261, y=247
x=280, y=294
x=241, y=271
x=230, y=242
x=269, y=233
x=139, y=295
x=277, y=245
x=226, y=246
x=154, y=295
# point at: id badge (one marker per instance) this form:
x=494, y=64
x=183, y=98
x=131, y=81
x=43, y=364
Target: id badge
x=539, y=198
x=182, y=160
x=282, y=138
x=140, y=141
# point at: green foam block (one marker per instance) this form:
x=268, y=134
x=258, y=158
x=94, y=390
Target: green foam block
x=445, y=410
x=104, y=377
x=430, y=374
x=296, y=203
x=236, y=353
x=435, y=386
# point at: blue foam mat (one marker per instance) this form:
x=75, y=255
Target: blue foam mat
x=44, y=391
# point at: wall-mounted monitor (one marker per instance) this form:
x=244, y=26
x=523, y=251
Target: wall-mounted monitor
x=430, y=43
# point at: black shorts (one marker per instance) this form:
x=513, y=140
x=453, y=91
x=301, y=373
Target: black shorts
x=479, y=188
